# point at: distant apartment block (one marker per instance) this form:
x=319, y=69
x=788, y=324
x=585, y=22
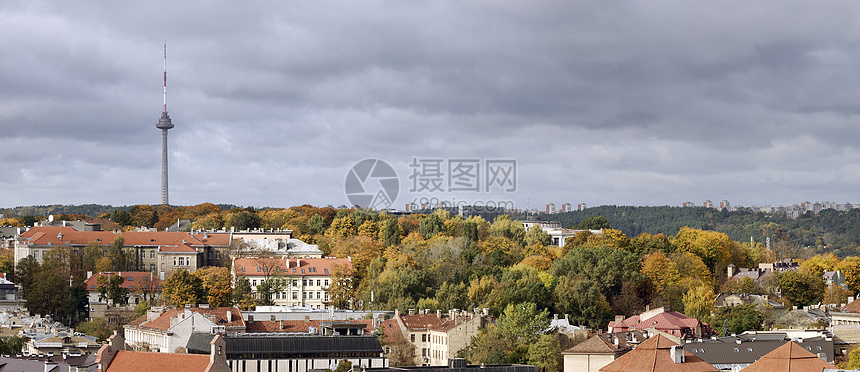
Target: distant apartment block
x=550, y=208
x=581, y=206
x=565, y=208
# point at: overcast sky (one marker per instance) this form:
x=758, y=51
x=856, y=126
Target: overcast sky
x=599, y=102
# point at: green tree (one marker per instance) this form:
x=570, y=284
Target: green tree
x=316, y=225
x=546, y=354
x=141, y=308
x=182, y=288
x=118, y=257
x=242, y=294
x=523, y=323
x=505, y=227
x=430, y=226
x=12, y=345
x=518, y=285
x=608, y=267
x=536, y=235
x=47, y=294
x=800, y=289
x=489, y=347
x=98, y=328
x=391, y=232
x=737, y=319
x=583, y=300
x=267, y=289
x=452, y=296
x=593, y=223
x=244, y=220
x=110, y=288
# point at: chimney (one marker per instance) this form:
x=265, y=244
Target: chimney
x=439, y=314
x=411, y=311
x=554, y=316
x=229, y=315
x=677, y=354
x=396, y=313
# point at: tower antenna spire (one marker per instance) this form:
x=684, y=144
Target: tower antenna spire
x=165, y=75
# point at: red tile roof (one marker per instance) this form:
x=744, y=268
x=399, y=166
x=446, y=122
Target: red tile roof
x=789, y=357
x=392, y=331
x=594, y=345
x=306, y=266
x=665, y=321
x=853, y=307
x=421, y=321
x=130, y=361
x=59, y=235
x=138, y=278
x=654, y=355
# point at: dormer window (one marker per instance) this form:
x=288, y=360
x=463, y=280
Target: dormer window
x=152, y=240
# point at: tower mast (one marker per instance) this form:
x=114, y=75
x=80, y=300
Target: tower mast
x=164, y=124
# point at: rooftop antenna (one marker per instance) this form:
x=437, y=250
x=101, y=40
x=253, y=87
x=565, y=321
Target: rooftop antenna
x=164, y=124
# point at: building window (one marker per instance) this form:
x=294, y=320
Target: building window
x=254, y=282
x=423, y=338
x=217, y=255
x=152, y=267
x=152, y=254
x=412, y=337
x=326, y=282
x=318, y=283
x=295, y=283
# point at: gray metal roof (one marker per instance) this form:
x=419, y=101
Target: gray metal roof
x=745, y=349
x=286, y=345
x=302, y=344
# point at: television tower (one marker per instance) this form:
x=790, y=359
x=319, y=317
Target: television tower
x=164, y=124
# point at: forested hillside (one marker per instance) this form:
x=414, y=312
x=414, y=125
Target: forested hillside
x=829, y=231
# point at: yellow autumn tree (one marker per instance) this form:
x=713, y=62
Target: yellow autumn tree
x=217, y=285
x=660, y=271
x=818, y=264
x=699, y=302
x=710, y=246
